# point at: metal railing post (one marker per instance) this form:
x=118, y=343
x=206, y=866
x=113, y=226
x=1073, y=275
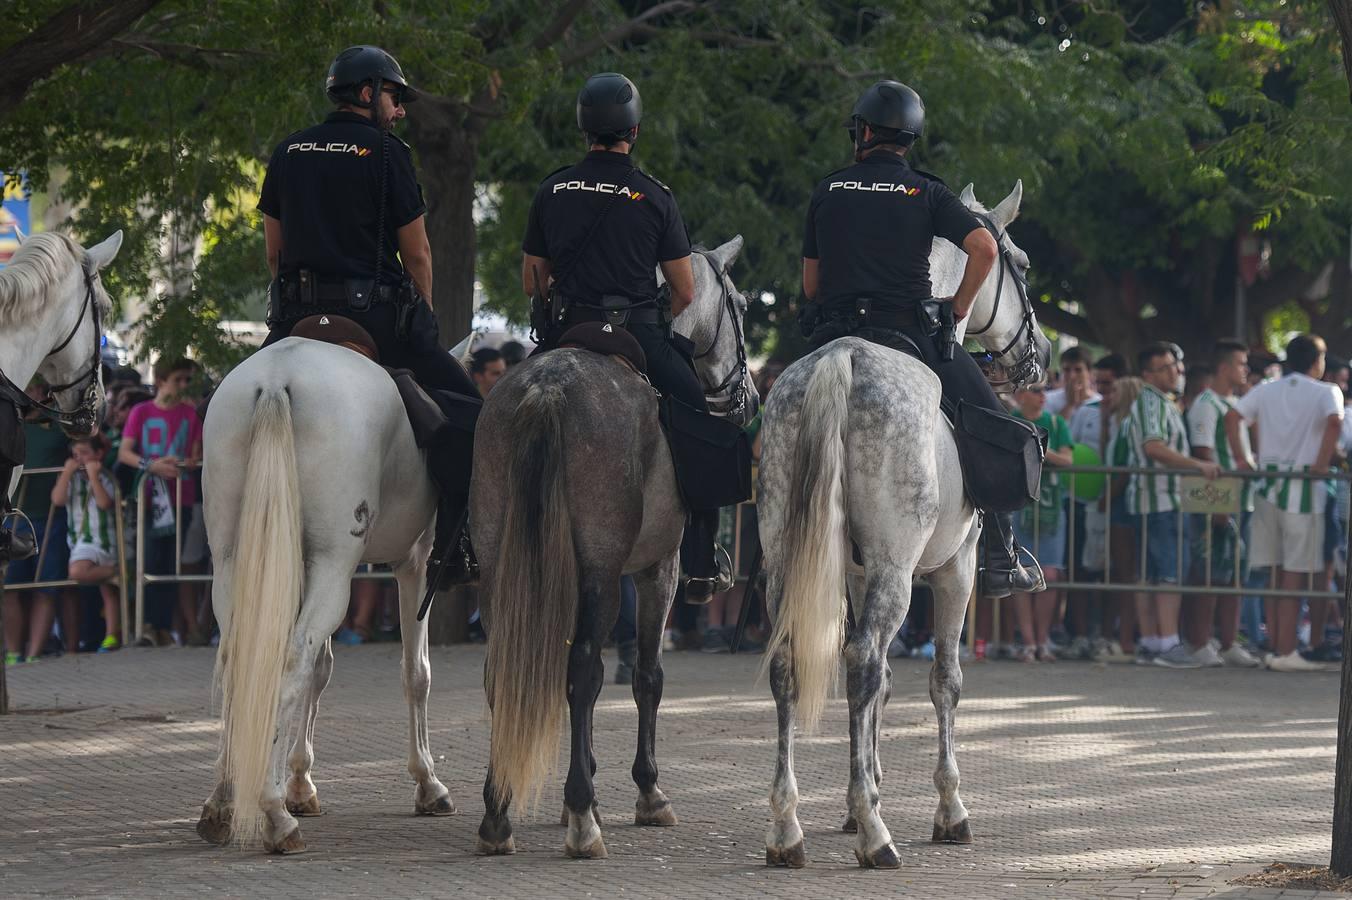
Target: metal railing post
x=140, y=564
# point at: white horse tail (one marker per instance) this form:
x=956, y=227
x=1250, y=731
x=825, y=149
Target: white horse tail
x=811, y=612
x=266, y=593
x=534, y=604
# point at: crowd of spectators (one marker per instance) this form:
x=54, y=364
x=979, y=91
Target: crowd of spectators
x=1231, y=414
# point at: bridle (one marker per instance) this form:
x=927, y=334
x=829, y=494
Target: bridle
x=1026, y=366
x=734, y=383
x=84, y=418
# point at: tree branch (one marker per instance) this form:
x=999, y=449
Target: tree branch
x=185, y=54
x=68, y=35
x=628, y=28
x=564, y=18
x=1064, y=320
x=1341, y=10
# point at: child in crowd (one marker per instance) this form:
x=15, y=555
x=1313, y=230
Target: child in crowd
x=163, y=439
x=87, y=493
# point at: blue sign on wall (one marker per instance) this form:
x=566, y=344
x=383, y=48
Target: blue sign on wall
x=13, y=218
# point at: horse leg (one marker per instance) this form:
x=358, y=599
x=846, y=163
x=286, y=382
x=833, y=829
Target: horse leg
x=586, y=673
x=301, y=797
x=885, y=604
x=656, y=588
x=214, y=824
x=321, y=611
x=784, y=842
x=856, y=590
x=952, y=587
x=431, y=798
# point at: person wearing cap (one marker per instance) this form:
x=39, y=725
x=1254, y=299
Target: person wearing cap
x=870, y=227
x=597, y=233
x=344, y=224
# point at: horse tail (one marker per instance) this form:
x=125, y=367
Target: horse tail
x=811, y=613
x=533, y=607
x=265, y=601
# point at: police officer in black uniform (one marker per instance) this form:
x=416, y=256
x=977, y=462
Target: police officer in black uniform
x=343, y=218
x=597, y=232
x=866, y=251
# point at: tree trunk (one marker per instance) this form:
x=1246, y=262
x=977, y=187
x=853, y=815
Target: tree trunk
x=1341, y=10
x=447, y=143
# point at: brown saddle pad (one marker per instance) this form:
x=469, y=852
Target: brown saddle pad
x=339, y=330
x=608, y=340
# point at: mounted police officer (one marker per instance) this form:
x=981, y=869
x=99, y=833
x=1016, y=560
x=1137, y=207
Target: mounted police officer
x=866, y=254
x=597, y=233
x=344, y=223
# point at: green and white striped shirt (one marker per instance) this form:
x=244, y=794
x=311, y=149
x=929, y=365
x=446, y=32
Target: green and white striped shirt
x=85, y=522
x=1153, y=417
x=1206, y=428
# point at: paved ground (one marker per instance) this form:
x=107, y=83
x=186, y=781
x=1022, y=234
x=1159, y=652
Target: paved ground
x=1082, y=780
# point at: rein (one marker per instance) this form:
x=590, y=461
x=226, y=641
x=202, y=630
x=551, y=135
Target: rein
x=84, y=418
x=735, y=380
x=1025, y=366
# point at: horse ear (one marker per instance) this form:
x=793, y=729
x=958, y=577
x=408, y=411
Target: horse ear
x=968, y=196
x=105, y=251
x=727, y=253
x=1008, y=210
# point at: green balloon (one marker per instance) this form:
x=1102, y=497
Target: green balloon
x=1088, y=486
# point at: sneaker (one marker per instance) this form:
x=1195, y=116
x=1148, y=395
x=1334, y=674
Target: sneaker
x=897, y=649
x=347, y=637
x=12, y=658
x=1325, y=652
x=1046, y=654
x=1293, y=662
x=1177, y=657
x=1240, y=658
x=669, y=639
x=1207, y=657
x=109, y=644
x=716, y=640
x=1145, y=657
x=1080, y=648
x=148, y=636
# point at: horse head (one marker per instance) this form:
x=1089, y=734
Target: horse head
x=55, y=305
x=1002, y=319
x=713, y=323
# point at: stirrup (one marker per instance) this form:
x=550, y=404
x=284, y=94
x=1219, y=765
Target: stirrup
x=996, y=584
x=15, y=546
x=699, y=591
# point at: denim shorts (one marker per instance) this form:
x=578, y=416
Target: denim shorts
x=1163, y=564
x=1050, y=546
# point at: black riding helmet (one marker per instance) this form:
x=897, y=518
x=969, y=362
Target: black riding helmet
x=895, y=112
x=609, y=106
x=359, y=66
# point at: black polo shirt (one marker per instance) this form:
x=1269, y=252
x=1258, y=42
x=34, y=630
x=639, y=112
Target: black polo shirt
x=323, y=184
x=642, y=227
x=872, y=226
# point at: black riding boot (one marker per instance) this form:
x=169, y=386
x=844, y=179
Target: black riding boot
x=1003, y=573
x=452, y=561
x=707, y=566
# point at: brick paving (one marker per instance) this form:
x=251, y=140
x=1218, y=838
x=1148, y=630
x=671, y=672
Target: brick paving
x=1082, y=780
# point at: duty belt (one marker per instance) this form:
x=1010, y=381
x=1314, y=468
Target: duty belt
x=311, y=289
x=892, y=314
x=616, y=310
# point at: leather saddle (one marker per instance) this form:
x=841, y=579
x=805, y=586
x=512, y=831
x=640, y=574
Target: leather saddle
x=608, y=340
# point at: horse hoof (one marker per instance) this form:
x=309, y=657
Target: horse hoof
x=794, y=857
x=291, y=844
x=595, y=850
x=496, y=848
x=885, y=857
x=662, y=814
x=442, y=806
x=214, y=829
x=960, y=833
x=850, y=826
x=307, y=807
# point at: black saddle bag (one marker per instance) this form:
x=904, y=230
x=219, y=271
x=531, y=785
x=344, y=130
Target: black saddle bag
x=712, y=456
x=1001, y=457
x=443, y=425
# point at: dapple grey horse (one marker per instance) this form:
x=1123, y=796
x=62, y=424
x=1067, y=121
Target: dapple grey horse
x=310, y=467
x=574, y=487
x=854, y=447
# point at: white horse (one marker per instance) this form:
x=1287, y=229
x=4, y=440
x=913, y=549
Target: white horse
x=52, y=305
x=854, y=447
x=310, y=468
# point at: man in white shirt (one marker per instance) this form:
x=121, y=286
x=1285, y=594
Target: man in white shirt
x=1077, y=387
x=1298, y=421
x=1208, y=439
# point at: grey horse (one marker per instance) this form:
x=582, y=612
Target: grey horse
x=573, y=487
x=854, y=447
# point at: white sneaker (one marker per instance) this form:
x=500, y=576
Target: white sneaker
x=1293, y=662
x=1240, y=658
x=1177, y=657
x=1207, y=656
